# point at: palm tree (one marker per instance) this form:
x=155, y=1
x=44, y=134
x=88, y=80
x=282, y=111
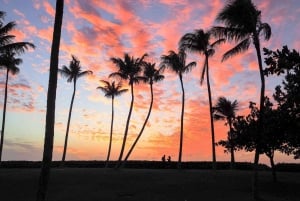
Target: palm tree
x=72, y=73
x=51, y=96
x=8, y=50
x=128, y=69
x=177, y=63
x=225, y=110
x=199, y=41
x=111, y=90
x=151, y=75
x=245, y=30
x=10, y=63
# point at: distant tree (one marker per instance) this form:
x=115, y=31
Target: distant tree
x=111, y=89
x=243, y=24
x=225, y=110
x=287, y=95
x=10, y=63
x=177, y=63
x=8, y=50
x=72, y=73
x=51, y=96
x=129, y=69
x=199, y=41
x=151, y=75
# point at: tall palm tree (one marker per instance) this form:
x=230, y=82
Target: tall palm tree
x=10, y=63
x=72, y=73
x=51, y=96
x=225, y=110
x=8, y=50
x=111, y=90
x=177, y=63
x=199, y=41
x=151, y=75
x=128, y=69
x=245, y=30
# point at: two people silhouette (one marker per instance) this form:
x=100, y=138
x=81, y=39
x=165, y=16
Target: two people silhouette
x=163, y=158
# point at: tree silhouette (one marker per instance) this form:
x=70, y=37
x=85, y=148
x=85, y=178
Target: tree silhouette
x=151, y=75
x=199, y=41
x=10, y=63
x=128, y=69
x=51, y=96
x=176, y=62
x=72, y=73
x=111, y=90
x=8, y=50
x=243, y=24
x=225, y=110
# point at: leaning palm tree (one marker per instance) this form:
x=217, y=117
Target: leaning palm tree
x=199, y=41
x=243, y=25
x=151, y=75
x=111, y=90
x=177, y=63
x=128, y=69
x=51, y=96
x=72, y=73
x=225, y=110
x=10, y=63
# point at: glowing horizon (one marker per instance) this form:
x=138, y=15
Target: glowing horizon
x=94, y=31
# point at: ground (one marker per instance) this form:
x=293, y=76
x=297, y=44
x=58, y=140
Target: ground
x=98, y=184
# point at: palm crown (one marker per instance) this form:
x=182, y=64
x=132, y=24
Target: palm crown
x=74, y=71
x=129, y=68
x=151, y=74
x=176, y=62
x=225, y=109
x=9, y=62
x=199, y=41
x=111, y=89
x=242, y=24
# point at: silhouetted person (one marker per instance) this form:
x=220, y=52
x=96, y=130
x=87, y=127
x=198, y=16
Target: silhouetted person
x=169, y=159
x=163, y=158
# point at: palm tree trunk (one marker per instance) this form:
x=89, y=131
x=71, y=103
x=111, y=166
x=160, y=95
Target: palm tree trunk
x=142, y=130
x=111, y=131
x=126, y=129
x=68, y=124
x=3, y=116
x=51, y=96
x=181, y=124
x=232, y=158
x=261, y=116
x=214, y=165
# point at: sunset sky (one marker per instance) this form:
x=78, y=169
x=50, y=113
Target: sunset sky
x=94, y=31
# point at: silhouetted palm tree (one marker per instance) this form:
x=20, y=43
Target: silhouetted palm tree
x=10, y=63
x=111, y=90
x=225, y=110
x=199, y=41
x=243, y=24
x=72, y=73
x=177, y=63
x=128, y=69
x=151, y=75
x=8, y=50
x=51, y=96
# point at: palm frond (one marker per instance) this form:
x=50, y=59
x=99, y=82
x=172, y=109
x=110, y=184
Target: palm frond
x=218, y=42
x=18, y=47
x=241, y=47
x=188, y=68
x=265, y=28
x=7, y=28
x=84, y=73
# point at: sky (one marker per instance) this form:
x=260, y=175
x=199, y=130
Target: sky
x=94, y=31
